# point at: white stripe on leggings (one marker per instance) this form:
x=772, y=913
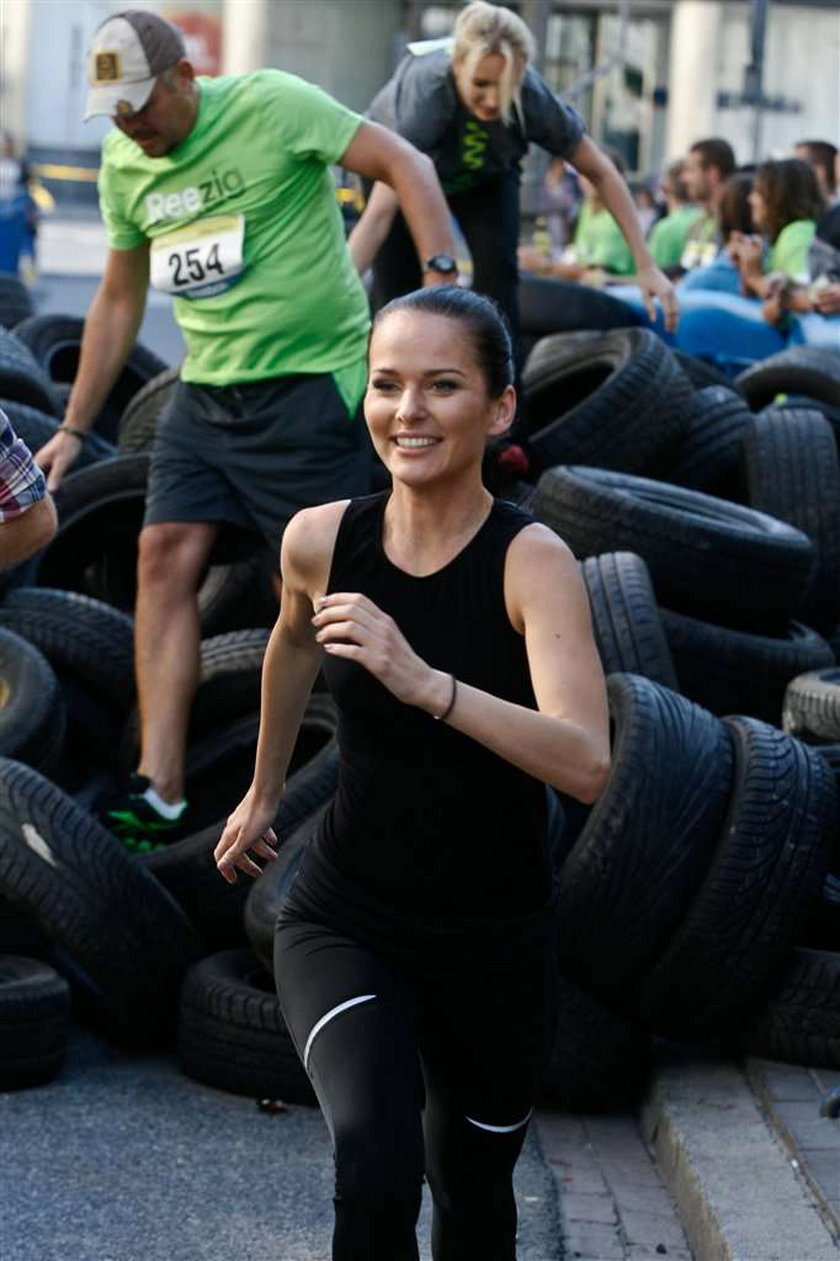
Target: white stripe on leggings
x=502, y=1129
x=334, y=1011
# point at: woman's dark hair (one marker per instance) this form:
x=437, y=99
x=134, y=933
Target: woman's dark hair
x=734, y=210
x=479, y=316
x=790, y=191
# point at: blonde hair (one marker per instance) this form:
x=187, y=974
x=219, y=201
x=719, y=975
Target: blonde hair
x=484, y=30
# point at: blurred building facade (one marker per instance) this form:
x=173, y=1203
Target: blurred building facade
x=649, y=76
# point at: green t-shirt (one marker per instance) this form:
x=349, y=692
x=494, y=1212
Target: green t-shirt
x=249, y=189
x=599, y=242
x=790, y=249
x=668, y=236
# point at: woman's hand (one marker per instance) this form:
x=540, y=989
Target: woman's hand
x=350, y=625
x=248, y=828
x=654, y=284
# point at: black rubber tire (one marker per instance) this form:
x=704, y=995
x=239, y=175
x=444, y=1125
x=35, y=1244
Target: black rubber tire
x=55, y=341
x=647, y=842
x=231, y=1032
x=34, y=1019
x=709, y=455
x=731, y=671
x=23, y=380
x=617, y=400
x=807, y=370
x=219, y=768
x=78, y=634
x=36, y=428
x=793, y=473
x=702, y=374
x=811, y=709
x=15, y=300
x=228, y=689
x=831, y=754
x=801, y=1022
x=798, y=402
x=119, y=934
x=268, y=891
x=90, y=647
x=707, y=557
x=549, y=305
x=625, y=618
x=32, y=714
x=186, y=868
x=600, y=1061
x=822, y=932
x=762, y=885
x=100, y=514
x=139, y=421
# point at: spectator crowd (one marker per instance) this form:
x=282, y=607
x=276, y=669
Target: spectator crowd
x=754, y=250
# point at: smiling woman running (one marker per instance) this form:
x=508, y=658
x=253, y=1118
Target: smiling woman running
x=414, y=952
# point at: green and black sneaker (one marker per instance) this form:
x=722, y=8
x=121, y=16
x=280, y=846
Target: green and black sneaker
x=135, y=819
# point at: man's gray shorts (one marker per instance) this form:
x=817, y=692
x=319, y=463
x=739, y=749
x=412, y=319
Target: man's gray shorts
x=252, y=455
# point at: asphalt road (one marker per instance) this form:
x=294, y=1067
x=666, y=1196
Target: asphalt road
x=122, y=1158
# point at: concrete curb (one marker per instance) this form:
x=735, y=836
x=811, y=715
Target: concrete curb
x=737, y=1193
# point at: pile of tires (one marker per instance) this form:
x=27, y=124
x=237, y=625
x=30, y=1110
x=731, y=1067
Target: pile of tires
x=82, y=920
x=710, y=553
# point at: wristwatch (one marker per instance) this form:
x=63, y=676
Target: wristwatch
x=443, y=263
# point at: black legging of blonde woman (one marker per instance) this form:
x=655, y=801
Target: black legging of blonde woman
x=488, y=216
x=428, y=1061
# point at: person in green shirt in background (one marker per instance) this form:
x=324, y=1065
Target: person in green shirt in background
x=786, y=203
x=219, y=192
x=668, y=236
x=598, y=249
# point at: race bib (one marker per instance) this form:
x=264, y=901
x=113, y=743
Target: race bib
x=201, y=260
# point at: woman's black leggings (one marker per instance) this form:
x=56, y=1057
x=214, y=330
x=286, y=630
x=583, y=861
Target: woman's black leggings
x=488, y=216
x=424, y=1059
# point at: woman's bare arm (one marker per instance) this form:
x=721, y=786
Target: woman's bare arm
x=292, y=659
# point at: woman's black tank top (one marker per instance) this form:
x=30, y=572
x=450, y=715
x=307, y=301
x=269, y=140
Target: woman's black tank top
x=425, y=820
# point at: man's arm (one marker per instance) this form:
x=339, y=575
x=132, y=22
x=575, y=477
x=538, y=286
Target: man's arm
x=599, y=170
x=379, y=154
x=110, y=331
x=27, y=533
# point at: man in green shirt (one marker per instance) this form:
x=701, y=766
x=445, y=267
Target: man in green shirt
x=219, y=192
x=707, y=168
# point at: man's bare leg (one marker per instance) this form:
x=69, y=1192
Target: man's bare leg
x=167, y=638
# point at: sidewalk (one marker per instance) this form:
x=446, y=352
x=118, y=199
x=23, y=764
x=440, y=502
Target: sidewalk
x=724, y=1163
x=746, y=1191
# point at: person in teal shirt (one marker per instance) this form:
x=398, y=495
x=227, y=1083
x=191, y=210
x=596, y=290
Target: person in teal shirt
x=220, y=192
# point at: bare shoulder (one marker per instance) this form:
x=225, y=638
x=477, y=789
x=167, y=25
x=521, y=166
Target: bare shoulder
x=540, y=571
x=308, y=545
x=539, y=545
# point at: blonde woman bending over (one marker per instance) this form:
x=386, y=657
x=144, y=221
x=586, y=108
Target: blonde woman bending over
x=474, y=106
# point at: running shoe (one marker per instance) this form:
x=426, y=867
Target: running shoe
x=135, y=821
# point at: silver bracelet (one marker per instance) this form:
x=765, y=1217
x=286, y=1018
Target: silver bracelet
x=451, y=705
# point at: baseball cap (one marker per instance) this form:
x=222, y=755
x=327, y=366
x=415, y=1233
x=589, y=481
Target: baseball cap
x=128, y=52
